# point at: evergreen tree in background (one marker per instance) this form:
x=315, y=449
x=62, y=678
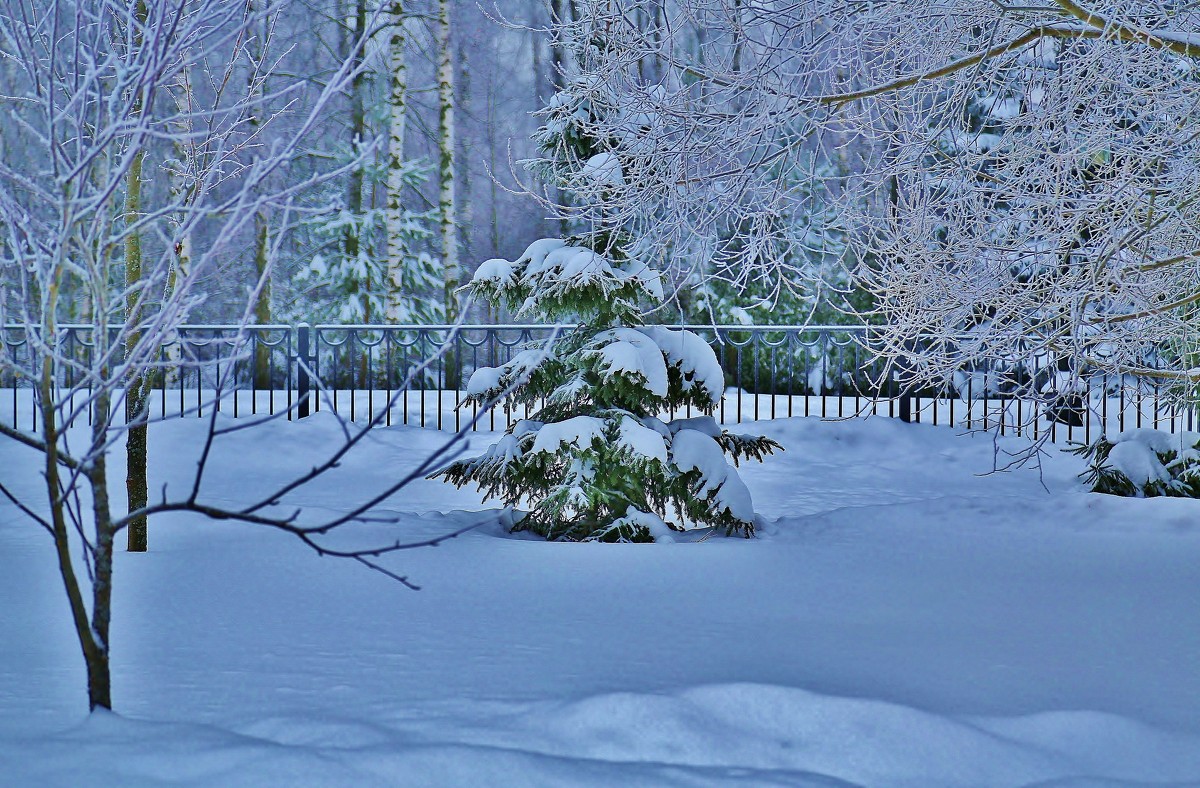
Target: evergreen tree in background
x=815, y=285
x=338, y=288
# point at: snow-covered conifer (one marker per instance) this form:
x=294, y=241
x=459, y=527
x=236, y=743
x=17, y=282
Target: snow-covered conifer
x=596, y=462
x=1143, y=462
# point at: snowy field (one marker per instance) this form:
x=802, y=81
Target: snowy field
x=903, y=619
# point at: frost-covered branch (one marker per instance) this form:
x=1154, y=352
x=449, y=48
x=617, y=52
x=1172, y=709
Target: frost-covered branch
x=1013, y=183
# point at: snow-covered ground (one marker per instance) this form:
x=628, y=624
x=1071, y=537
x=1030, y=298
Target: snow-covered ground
x=903, y=619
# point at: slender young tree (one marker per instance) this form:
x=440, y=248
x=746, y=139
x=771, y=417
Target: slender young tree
x=596, y=462
x=84, y=98
x=137, y=390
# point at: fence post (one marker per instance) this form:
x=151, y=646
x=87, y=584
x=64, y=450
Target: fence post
x=303, y=382
x=904, y=398
x=905, y=407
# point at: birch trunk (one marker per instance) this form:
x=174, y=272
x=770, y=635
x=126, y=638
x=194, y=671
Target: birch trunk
x=398, y=98
x=446, y=181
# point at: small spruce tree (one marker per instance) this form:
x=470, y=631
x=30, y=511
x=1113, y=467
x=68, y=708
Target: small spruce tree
x=596, y=462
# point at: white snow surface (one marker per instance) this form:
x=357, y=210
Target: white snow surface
x=581, y=265
x=628, y=352
x=694, y=356
x=641, y=441
x=1135, y=453
x=662, y=533
x=646, y=277
x=694, y=450
x=578, y=431
x=550, y=263
x=903, y=618
x=487, y=380
x=604, y=169
x=496, y=270
x=1157, y=440
x=535, y=254
x=1138, y=463
x=484, y=379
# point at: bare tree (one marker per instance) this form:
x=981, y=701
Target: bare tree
x=93, y=97
x=1044, y=227
x=1092, y=182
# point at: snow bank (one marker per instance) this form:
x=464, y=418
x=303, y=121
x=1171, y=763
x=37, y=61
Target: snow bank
x=1138, y=463
x=1154, y=440
x=904, y=618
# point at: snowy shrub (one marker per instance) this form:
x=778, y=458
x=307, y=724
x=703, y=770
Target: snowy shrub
x=1144, y=463
x=596, y=462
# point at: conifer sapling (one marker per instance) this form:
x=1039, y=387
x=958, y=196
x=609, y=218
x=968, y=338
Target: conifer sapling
x=596, y=462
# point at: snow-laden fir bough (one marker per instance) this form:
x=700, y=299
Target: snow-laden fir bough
x=596, y=462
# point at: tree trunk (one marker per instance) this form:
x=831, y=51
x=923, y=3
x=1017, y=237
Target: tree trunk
x=262, y=303
x=464, y=210
x=397, y=251
x=446, y=182
x=358, y=127
x=93, y=640
x=99, y=684
x=135, y=395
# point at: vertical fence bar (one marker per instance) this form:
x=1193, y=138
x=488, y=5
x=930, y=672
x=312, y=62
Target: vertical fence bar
x=303, y=381
x=458, y=379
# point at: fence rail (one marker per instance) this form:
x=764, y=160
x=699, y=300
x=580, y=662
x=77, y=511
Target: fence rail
x=416, y=375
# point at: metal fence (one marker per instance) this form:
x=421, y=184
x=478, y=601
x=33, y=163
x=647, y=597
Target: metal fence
x=416, y=375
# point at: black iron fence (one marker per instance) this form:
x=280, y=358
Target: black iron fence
x=416, y=375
